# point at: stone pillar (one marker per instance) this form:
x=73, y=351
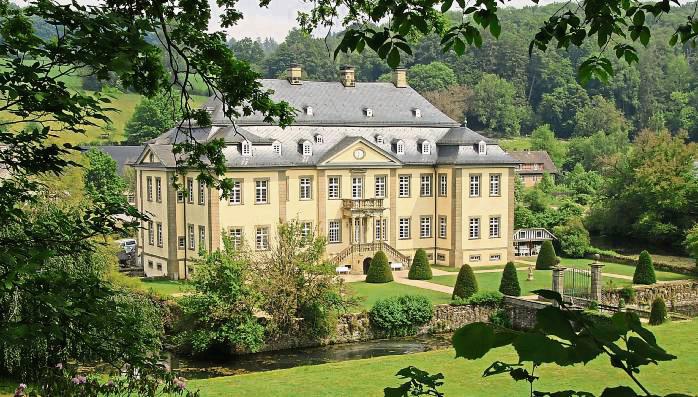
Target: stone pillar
x=596, y=279
x=559, y=280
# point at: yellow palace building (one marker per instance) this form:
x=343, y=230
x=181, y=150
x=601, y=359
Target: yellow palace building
x=368, y=165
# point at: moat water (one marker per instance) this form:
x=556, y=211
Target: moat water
x=193, y=368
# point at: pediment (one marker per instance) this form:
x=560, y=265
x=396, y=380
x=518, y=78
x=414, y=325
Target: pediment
x=149, y=157
x=358, y=152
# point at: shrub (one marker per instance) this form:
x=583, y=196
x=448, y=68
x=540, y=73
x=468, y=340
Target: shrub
x=644, y=271
x=466, y=284
x=627, y=294
x=658, y=314
x=420, y=270
x=400, y=315
x=379, y=269
x=501, y=318
x=510, y=281
x=546, y=257
x=573, y=238
x=484, y=298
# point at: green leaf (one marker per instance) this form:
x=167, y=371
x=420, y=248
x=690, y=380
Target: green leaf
x=645, y=36
x=473, y=341
x=394, y=58
x=639, y=18
x=552, y=321
x=495, y=27
x=538, y=348
x=620, y=391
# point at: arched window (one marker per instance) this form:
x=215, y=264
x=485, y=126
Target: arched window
x=319, y=139
x=482, y=147
x=246, y=148
x=400, y=147
x=307, y=149
x=276, y=147
x=380, y=140
x=426, y=147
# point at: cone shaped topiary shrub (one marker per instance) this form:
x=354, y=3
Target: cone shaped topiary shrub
x=466, y=284
x=546, y=257
x=420, y=270
x=379, y=269
x=644, y=271
x=658, y=315
x=510, y=281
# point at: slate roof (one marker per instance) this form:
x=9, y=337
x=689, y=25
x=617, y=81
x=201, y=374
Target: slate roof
x=123, y=155
x=535, y=157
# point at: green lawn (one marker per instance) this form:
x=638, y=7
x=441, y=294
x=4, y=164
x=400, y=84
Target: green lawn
x=542, y=279
x=464, y=378
x=164, y=288
x=456, y=269
x=370, y=293
x=626, y=270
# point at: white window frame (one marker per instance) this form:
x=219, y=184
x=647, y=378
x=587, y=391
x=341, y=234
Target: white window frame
x=475, y=258
x=191, y=236
x=495, y=185
x=357, y=189
x=380, y=140
x=380, y=229
x=305, y=188
x=236, y=193
x=190, y=190
x=261, y=240
x=306, y=229
x=307, y=148
x=425, y=185
x=236, y=236
x=149, y=188
x=158, y=233
x=261, y=191
x=276, y=148
x=426, y=147
x=404, y=185
x=425, y=227
x=495, y=257
x=404, y=228
x=151, y=233
x=334, y=187
x=443, y=185
x=482, y=147
x=158, y=189
x=319, y=138
x=202, y=236
x=495, y=227
x=246, y=148
x=368, y=112
x=400, y=147
x=474, y=228
x=202, y=193
x=474, y=185
x=334, y=231
x=443, y=227
x=380, y=186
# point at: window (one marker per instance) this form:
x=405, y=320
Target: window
x=358, y=226
x=181, y=242
x=369, y=112
x=202, y=236
x=474, y=185
x=151, y=235
x=307, y=149
x=440, y=257
x=261, y=240
x=482, y=148
x=202, y=193
x=236, y=193
x=180, y=196
x=158, y=189
x=150, y=264
x=539, y=233
x=149, y=188
x=404, y=185
x=306, y=188
x=380, y=140
x=357, y=187
x=474, y=230
x=246, y=148
x=495, y=184
x=319, y=139
x=417, y=113
x=309, y=110
x=190, y=190
x=425, y=227
x=443, y=230
x=474, y=258
x=443, y=185
x=159, y=266
x=159, y=233
x=404, y=228
x=333, y=232
x=425, y=185
x=426, y=147
x=190, y=236
x=261, y=191
x=276, y=148
x=495, y=258
x=381, y=229
x=236, y=237
x=380, y=186
x=333, y=187
x=400, y=147
x=306, y=229
x=494, y=226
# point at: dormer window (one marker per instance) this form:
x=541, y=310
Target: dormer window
x=482, y=147
x=246, y=148
x=426, y=147
x=400, y=147
x=380, y=140
x=319, y=139
x=418, y=113
x=309, y=110
x=369, y=112
x=307, y=149
x=276, y=147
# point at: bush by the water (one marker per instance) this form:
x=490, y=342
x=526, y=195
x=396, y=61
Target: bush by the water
x=644, y=271
x=510, y=281
x=379, y=269
x=420, y=270
x=483, y=298
x=466, y=284
x=400, y=315
x=658, y=314
x=547, y=258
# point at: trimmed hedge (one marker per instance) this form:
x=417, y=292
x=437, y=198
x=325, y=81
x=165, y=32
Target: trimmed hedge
x=658, y=314
x=510, y=281
x=379, y=270
x=644, y=271
x=420, y=270
x=547, y=258
x=466, y=284
x=401, y=315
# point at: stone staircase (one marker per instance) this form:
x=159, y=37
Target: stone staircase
x=370, y=248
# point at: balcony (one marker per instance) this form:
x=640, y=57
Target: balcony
x=363, y=207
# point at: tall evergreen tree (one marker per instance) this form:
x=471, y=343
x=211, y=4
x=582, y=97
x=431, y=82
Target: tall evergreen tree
x=547, y=258
x=379, y=269
x=644, y=271
x=420, y=270
x=510, y=281
x=466, y=283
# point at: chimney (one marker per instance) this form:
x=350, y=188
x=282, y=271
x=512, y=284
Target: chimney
x=294, y=74
x=400, y=77
x=347, y=76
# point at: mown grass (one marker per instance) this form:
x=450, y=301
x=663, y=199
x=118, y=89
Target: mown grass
x=370, y=293
x=615, y=268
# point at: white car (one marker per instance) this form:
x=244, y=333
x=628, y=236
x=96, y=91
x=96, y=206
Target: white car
x=128, y=245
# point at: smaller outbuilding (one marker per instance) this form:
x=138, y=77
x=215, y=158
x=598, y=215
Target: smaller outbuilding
x=533, y=164
x=527, y=242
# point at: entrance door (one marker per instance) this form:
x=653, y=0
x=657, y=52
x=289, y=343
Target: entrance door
x=367, y=264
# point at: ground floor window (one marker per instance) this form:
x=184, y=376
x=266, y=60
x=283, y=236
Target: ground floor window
x=474, y=258
x=495, y=257
x=262, y=238
x=333, y=232
x=425, y=227
x=404, y=228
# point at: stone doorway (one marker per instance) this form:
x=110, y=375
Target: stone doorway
x=367, y=264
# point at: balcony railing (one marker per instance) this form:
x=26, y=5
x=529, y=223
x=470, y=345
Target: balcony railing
x=362, y=204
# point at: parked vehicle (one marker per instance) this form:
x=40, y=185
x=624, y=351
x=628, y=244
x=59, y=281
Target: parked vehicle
x=127, y=245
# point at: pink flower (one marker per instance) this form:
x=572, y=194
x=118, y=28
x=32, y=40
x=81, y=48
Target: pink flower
x=82, y=379
x=75, y=380
x=19, y=391
x=59, y=365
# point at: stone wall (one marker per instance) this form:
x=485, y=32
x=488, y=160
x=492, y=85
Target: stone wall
x=522, y=313
x=675, y=293
x=628, y=260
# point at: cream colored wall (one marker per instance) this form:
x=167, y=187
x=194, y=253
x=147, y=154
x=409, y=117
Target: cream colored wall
x=157, y=212
x=371, y=156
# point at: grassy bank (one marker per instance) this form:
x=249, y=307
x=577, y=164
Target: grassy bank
x=370, y=293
